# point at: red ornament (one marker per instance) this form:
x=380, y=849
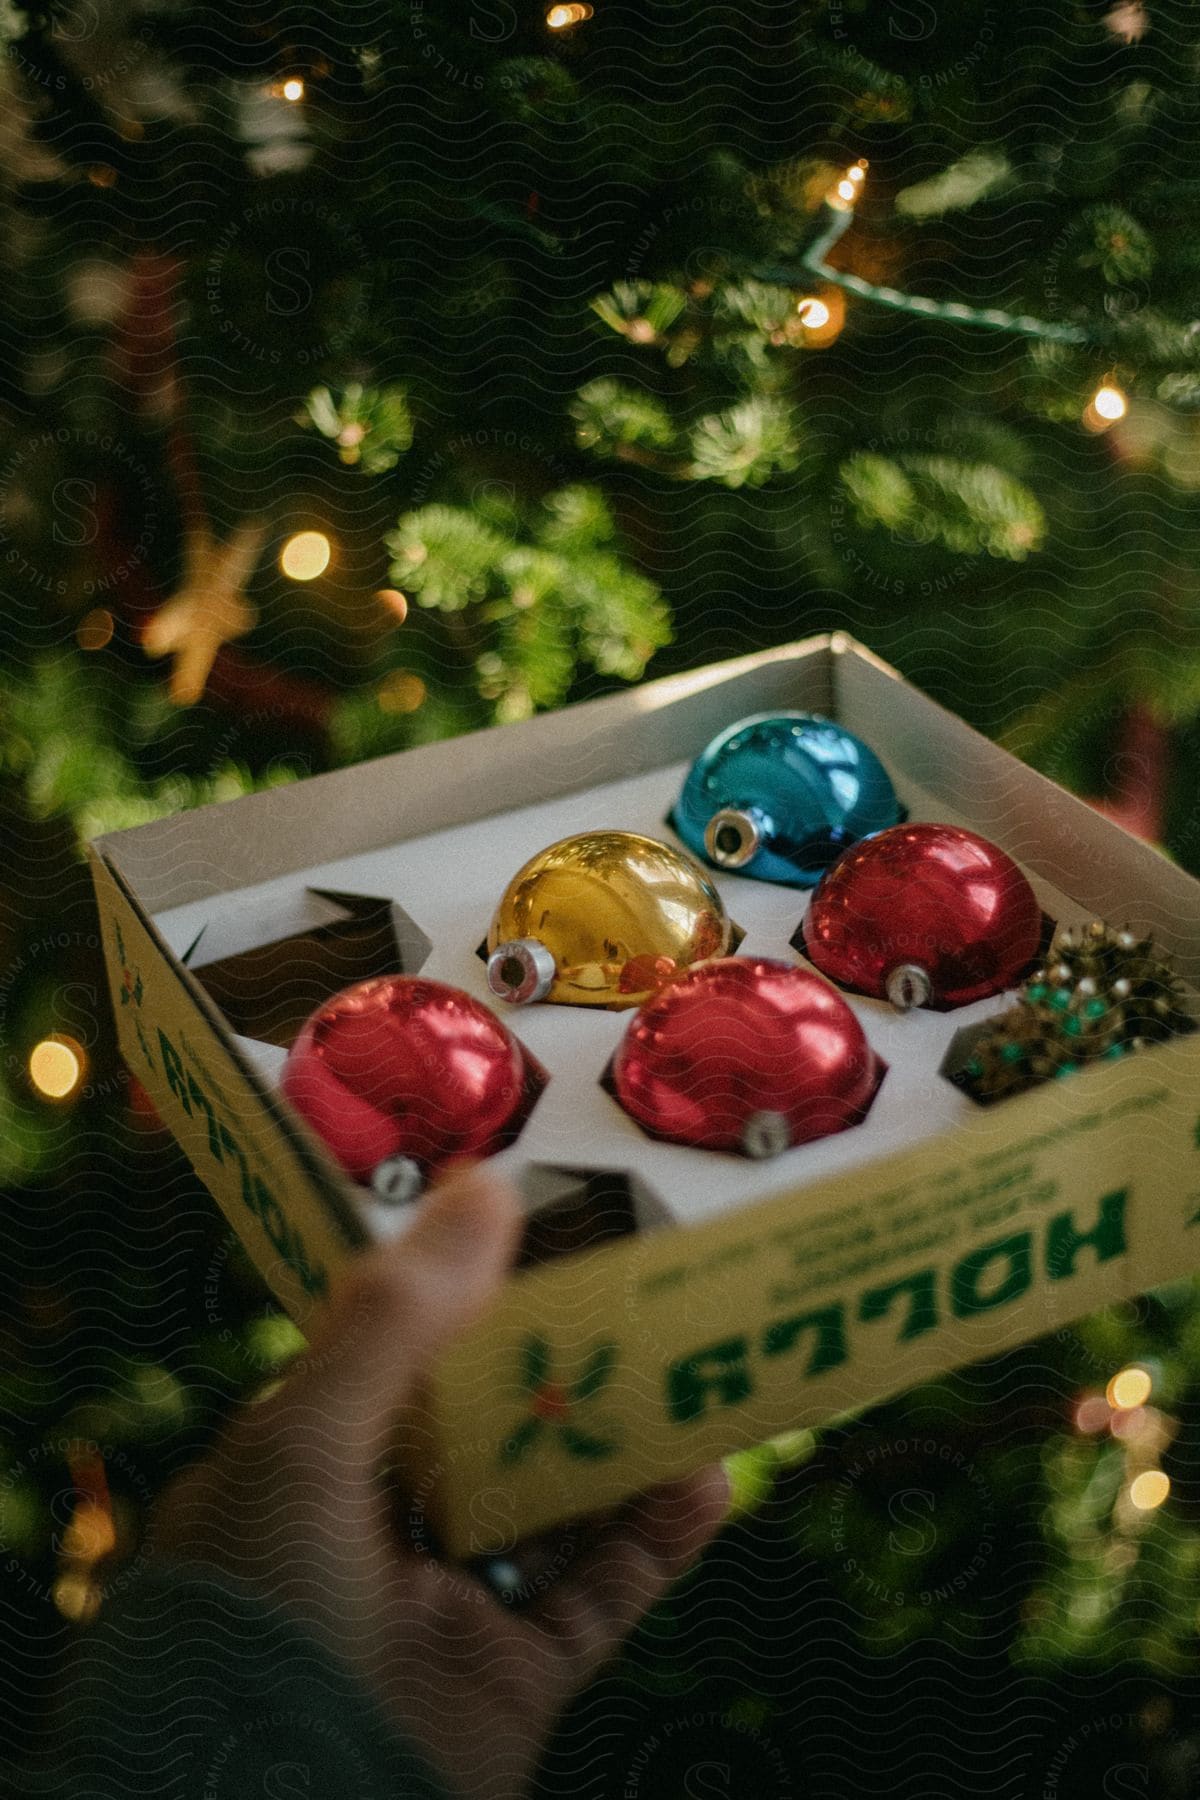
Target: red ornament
x=923, y=915
x=401, y=1077
x=745, y=1054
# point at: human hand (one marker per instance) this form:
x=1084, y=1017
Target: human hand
x=290, y=1501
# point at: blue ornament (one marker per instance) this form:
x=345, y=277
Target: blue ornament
x=779, y=795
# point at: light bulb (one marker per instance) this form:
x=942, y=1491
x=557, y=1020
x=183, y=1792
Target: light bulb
x=843, y=194
x=812, y=313
x=306, y=555
x=293, y=89
x=1110, y=403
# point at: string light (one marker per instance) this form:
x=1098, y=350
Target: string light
x=1106, y=406
x=817, y=321
x=56, y=1067
x=1129, y=1388
x=293, y=89
x=1149, y=1490
x=305, y=556
x=839, y=205
x=560, y=17
x=812, y=313
x=844, y=193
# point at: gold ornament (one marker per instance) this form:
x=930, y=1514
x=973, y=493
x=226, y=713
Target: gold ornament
x=604, y=918
x=209, y=609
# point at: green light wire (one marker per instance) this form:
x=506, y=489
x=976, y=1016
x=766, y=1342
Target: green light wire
x=954, y=312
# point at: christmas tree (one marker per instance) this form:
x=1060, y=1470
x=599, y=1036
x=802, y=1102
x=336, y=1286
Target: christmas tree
x=373, y=372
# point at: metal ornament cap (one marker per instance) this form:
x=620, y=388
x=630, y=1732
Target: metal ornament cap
x=908, y=985
x=766, y=1134
x=520, y=971
x=604, y=918
x=733, y=837
x=924, y=915
x=397, y=1180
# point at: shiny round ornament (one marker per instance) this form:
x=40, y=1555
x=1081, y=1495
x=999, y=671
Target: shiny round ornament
x=924, y=915
x=401, y=1077
x=748, y=1055
x=779, y=795
x=603, y=919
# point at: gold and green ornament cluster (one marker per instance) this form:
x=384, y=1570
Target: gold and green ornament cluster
x=1103, y=992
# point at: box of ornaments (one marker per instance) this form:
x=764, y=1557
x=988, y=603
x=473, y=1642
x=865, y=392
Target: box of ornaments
x=829, y=1047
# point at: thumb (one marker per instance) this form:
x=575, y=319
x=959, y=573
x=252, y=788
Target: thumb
x=400, y=1303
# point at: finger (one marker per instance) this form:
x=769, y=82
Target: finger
x=649, y=1545
x=401, y=1302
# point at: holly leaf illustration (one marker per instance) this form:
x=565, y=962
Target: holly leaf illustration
x=516, y=1446
x=535, y=1363
x=582, y=1443
x=596, y=1373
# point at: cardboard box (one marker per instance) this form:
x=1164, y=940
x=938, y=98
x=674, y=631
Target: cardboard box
x=678, y=1304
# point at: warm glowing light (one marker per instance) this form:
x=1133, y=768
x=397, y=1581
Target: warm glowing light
x=395, y=602
x=401, y=692
x=1110, y=403
x=845, y=192
x=56, y=1067
x=91, y=1533
x=95, y=629
x=306, y=555
x=813, y=313
x=1093, y=1413
x=817, y=320
x=1149, y=1490
x=293, y=89
x=1130, y=1388
x=77, y=1596
x=559, y=17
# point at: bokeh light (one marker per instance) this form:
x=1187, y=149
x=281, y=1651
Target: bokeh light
x=395, y=602
x=1092, y=1413
x=95, y=629
x=1129, y=1388
x=77, y=1596
x=401, y=692
x=306, y=556
x=1149, y=1490
x=56, y=1067
x=559, y=17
